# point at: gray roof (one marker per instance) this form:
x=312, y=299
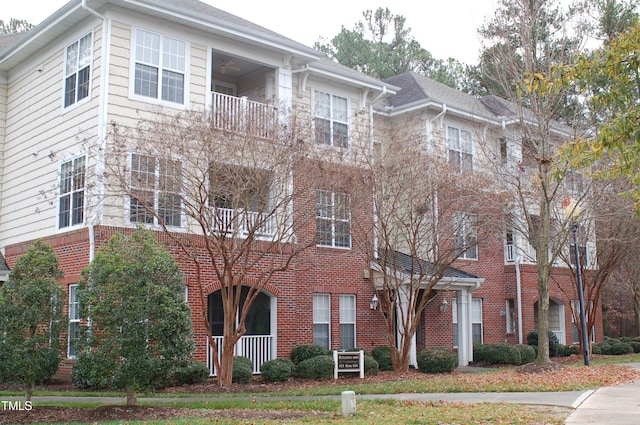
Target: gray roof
x=407, y=264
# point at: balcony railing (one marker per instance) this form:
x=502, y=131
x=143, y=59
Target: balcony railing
x=256, y=347
x=243, y=116
x=241, y=223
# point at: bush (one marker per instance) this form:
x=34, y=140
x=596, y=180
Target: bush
x=371, y=366
x=382, y=355
x=616, y=348
x=636, y=346
x=568, y=350
x=319, y=367
x=527, y=353
x=189, y=373
x=437, y=360
x=303, y=352
x=501, y=353
x=532, y=339
x=277, y=370
x=242, y=370
x=91, y=370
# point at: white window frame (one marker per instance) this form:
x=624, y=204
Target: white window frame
x=333, y=116
x=334, y=209
x=74, y=320
x=72, y=186
x=163, y=57
x=322, y=317
x=347, y=320
x=156, y=192
x=78, y=61
x=466, y=234
x=460, y=144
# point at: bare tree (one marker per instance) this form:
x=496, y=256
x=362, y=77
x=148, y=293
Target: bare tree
x=226, y=180
x=425, y=218
x=533, y=41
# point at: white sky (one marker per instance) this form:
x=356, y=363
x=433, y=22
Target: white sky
x=446, y=28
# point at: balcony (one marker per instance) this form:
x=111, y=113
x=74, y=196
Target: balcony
x=241, y=223
x=244, y=117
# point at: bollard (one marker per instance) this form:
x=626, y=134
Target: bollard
x=348, y=403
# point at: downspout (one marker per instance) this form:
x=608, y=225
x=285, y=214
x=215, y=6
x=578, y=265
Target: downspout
x=519, y=298
x=372, y=159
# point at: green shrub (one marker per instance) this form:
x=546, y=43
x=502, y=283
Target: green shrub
x=277, y=370
x=501, y=353
x=437, y=360
x=616, y=348
x=597, y=347
x=527, y=353
x=90, y=370
x=371, y=366
x=532, y=339
x=242, y=370
x=318, y=367
x=189, y=373
x=382, y=355
x=568, y=350
x=636, y=346
x=304, y=352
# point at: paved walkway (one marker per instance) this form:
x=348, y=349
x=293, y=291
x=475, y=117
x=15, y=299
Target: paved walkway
x=617, y=405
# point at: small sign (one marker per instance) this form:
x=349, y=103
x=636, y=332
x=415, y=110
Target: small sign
x=348, y=361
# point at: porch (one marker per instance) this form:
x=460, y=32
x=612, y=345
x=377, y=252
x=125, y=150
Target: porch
x=258, y=348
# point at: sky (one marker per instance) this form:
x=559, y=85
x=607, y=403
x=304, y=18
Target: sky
x=446, y=28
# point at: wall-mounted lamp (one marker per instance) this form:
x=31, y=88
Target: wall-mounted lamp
x=444, y=306
x=374, y=302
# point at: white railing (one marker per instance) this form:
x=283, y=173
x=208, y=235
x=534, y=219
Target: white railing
x=240, y=222
x=243, y=116
x=256, y=347
x=510, y=253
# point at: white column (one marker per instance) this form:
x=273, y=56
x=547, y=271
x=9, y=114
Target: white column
x=403, y=308
x=465, y=337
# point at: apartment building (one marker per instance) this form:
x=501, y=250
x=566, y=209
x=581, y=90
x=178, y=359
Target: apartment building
x=96, y=64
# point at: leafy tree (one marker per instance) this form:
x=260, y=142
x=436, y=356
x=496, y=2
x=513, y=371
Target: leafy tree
x=31, y=319
x=14, y=26
x=140, y=326
x=382, y=46
x=611, y=80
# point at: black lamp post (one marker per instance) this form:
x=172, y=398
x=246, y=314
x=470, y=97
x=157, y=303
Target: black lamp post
x=583, y=322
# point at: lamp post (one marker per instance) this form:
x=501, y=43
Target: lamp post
x=571, y=211
x=583, y=322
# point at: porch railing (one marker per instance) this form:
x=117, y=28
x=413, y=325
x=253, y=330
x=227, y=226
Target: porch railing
x=256, y=347
x=241, y=222
x=243, y=116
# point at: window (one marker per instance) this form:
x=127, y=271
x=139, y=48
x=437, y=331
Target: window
x=331, y=118
x=155, y=191
x=77, y=70
x=160, y=64
x=71, y=198
x=510, y=254
x=510, y=315
x=460, y=146
x=465, y=235
x=74, y=321
x=504, y=153
x=476, y=320
x=333, y=219
x=582, y=249
x=347, y=322
x=321, y=320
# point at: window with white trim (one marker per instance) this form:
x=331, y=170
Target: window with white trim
x=77, y=70
x=510, y=315
x=74, y=321
x=347, y=322
x=465, y=234
x=72, y=192
x=160, y=64
x=460, y=144
x=155, y=191
x=333, y=219
x=322, y=320
x=331, y=120
x=476, y=320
